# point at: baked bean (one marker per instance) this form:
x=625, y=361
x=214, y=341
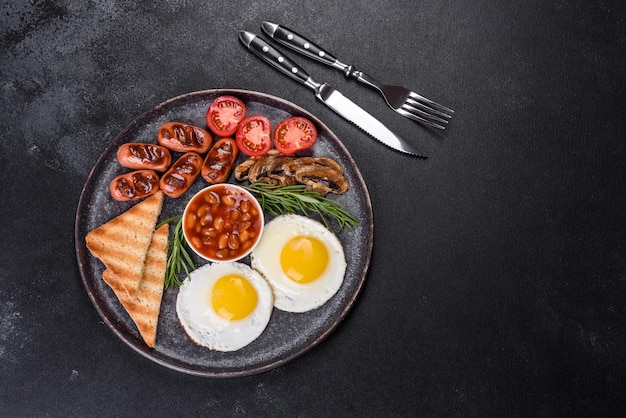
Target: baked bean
x=233, y=241
x=190, y=221
x=211, y=199
x=206, y=219
x=220, y=223
x=203, y=210
x=244, y=226
x=223, y=241
x=222, y=254
x=228, y=200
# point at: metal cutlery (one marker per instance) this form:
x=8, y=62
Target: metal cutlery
x=404, y=101
x=327, y=94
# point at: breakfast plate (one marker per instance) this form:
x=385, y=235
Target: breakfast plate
x=288, y=335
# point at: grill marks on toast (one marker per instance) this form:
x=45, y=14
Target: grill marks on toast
x=122, y=243
x=135, y=259
x=144, y=308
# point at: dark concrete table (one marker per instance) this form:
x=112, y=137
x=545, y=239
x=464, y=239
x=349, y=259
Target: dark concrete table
x=497, y=281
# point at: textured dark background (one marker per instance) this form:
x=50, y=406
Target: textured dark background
x=498, y=278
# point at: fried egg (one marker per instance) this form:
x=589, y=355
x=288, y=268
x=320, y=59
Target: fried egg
x=224, y=306
x=302, y=260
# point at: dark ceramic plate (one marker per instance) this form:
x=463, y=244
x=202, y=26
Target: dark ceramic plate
x=288, y=335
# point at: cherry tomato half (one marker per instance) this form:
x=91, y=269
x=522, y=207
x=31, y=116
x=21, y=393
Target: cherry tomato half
x=224, y=114
x=294, y=134
x=253, y=135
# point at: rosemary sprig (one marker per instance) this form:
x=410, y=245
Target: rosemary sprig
x=278, y=200
x=178, y=258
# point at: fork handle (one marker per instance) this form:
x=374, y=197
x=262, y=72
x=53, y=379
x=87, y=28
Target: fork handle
x=350, y=71
x=301, y=44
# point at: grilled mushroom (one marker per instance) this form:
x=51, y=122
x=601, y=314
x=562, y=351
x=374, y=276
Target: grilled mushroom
x=320, y=174
x=279, y=170
x=322, y=179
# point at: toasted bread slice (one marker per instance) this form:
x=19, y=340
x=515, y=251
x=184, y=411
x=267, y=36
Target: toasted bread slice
x=145, y=307
x=122, y=243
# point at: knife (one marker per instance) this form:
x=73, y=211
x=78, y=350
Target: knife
x=328, y=95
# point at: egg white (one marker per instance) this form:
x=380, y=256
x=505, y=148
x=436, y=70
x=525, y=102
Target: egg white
x=204, y=326
x=290, y=296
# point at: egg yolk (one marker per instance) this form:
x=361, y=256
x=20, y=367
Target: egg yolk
x=233, y=297
x=304, y=259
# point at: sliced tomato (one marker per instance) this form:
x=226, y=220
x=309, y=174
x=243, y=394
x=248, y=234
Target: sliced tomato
x=294, y=134
x=224, y=114
x=253, y=135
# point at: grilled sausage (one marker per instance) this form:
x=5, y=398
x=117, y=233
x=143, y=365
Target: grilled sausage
x=220, y=161
x=134, y=185
x=182, y=137
x=144, y=157
x=181, y=175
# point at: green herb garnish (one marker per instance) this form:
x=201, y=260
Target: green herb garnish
x=278, y=200
x=178, y=258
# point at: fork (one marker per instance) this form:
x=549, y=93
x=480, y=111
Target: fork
x=404, y=101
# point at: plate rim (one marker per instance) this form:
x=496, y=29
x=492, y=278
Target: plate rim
x=82, y=253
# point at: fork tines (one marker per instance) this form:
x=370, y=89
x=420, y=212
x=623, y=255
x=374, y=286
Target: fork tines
x=425, y=111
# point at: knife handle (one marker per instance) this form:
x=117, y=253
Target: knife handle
x=276, y=59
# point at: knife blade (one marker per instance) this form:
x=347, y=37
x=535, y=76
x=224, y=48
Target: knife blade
x=328, y=95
